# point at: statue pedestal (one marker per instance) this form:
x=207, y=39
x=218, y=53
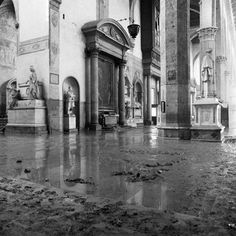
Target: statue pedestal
x=70, y=123
x=207, y=123
x=29, y=116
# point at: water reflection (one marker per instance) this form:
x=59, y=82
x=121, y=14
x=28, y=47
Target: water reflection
x=91, y=158
x=90, y=163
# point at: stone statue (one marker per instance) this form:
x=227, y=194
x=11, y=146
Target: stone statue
x=70, y=101
x=33, y=84
x=127, y=110
x=207, y=74
x=13, y=96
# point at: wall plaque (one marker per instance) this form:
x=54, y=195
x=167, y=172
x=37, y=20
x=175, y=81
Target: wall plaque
x=54, y=78
x=171, y=74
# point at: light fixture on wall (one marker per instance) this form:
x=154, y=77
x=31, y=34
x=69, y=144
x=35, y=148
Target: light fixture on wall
x=133, y=29
x=17, y=25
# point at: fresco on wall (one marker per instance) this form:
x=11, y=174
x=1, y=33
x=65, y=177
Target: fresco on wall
x=8, y=36
x=105, y=74
x=8, y=50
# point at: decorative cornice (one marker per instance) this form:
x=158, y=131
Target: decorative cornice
x=33, y=45
x=207, y=33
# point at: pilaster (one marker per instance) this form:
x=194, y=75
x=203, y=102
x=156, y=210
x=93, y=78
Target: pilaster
x=55, y=104
x=148, y=120
x=94, y=53
x=122, y=92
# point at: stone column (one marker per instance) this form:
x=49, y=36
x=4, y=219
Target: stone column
x=116, y=89
x=175, y=117
x=221, y=59
x=94, y=89
x=88, y=89
x=149, y=105
x=55, y=104
x=122, y=93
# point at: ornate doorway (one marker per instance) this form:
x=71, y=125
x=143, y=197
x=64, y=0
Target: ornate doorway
x=106, y=45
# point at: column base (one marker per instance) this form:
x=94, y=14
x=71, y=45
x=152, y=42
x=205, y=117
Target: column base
x=70, y=123
x=175, y=132
x=148, y=122
x=26, y=129
x=207, y=133
x=95, y=127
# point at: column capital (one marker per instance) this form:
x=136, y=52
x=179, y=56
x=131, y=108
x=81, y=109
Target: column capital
x=123, y=63
x=93, y=49
x=207, y=33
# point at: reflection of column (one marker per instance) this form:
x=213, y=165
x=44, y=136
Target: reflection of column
x=116, y=88
x=122, y=93
x=149, y=105
x=94, y=89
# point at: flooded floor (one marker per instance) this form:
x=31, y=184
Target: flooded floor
x=133, y=166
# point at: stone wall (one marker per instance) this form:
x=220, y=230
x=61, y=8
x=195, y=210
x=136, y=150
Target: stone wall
x=8, y=49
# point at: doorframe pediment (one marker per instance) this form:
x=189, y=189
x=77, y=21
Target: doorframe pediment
x=108, y=36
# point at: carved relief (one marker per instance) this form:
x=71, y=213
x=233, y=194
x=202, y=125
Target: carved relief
x=221, y=59
x=54, y=41
x=54, y=19
x=112, y=32
x=8, y=55
x=7, y=24
x=171, y=75
x=8, y=37
x=12, y=94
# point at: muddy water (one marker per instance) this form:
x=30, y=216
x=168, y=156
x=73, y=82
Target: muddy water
x=188, y=179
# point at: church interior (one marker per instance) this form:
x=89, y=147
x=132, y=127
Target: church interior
x=129, y=64
x=117, y=117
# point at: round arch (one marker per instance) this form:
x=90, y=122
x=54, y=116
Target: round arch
x=15, y=5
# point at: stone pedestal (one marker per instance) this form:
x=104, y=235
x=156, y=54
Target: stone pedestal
x=70, y=123
x=28, y=117
x=207, y=125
